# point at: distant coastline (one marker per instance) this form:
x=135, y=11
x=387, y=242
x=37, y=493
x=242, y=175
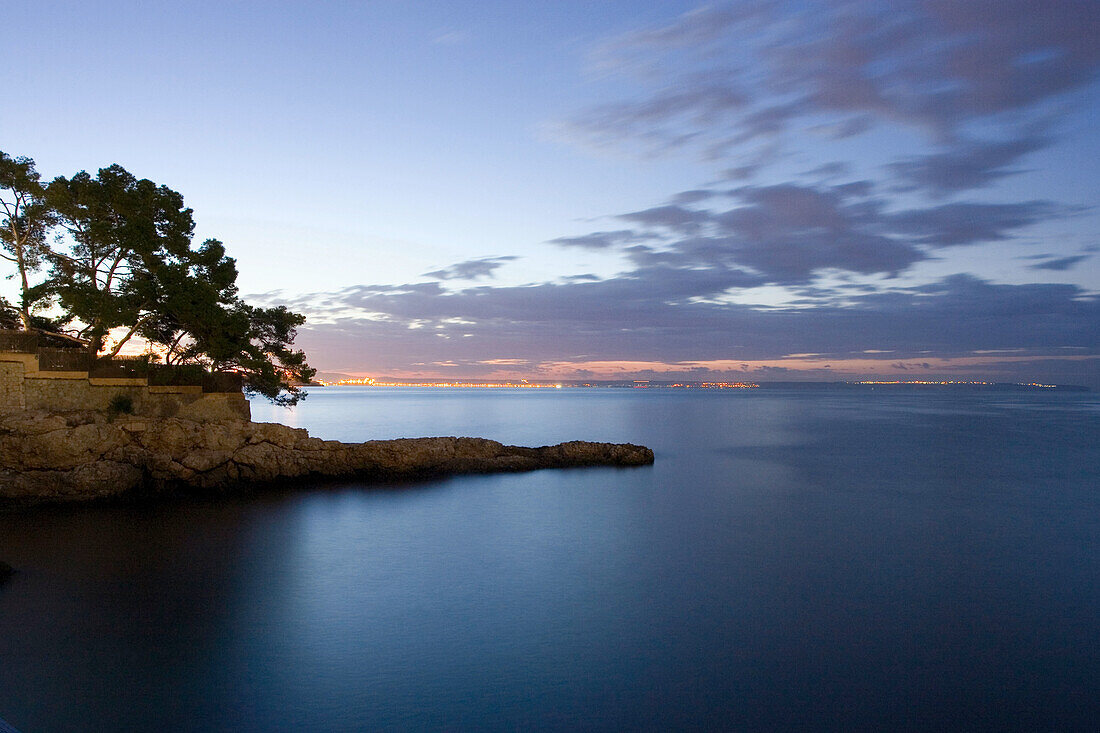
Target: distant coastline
x=914, y=384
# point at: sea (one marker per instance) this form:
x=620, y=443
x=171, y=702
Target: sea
x=795, y=559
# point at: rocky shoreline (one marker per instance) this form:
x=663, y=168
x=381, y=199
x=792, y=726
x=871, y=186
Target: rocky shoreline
x=83, y=456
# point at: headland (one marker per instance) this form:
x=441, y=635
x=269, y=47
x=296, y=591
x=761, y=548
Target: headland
x=48, y=457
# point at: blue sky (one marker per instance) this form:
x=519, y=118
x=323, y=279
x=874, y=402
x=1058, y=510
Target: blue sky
x=617, y=189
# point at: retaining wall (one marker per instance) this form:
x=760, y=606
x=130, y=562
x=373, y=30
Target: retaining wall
x=23, y=386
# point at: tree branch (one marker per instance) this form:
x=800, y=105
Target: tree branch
x=131, y=332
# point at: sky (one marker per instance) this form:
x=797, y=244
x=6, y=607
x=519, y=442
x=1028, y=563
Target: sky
x=759, y=190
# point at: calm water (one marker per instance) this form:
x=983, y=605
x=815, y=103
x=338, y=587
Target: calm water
x=793, y=559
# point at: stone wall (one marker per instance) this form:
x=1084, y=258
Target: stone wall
x=24, y=387
x=11, y=385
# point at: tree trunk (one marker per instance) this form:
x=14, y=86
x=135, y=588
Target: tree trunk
x=95, y=342
x=129, y=334
x=24, y=306
x=17, y=243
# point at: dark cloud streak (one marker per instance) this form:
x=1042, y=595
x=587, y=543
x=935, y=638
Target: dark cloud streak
x=787, y=233
x=967, y=165
x=1060, y=264
x=471, y=269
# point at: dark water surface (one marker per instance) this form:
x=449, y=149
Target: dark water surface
x=793, y=559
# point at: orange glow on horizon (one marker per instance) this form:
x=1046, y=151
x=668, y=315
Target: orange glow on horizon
x=801, y=367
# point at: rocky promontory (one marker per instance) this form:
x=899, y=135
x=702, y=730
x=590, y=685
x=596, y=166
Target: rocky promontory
x=80, y=456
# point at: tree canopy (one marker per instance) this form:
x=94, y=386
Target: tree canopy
x=124, y=265
x=125, y=235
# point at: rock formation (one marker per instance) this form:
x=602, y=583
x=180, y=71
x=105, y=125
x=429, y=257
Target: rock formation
x=77, y=456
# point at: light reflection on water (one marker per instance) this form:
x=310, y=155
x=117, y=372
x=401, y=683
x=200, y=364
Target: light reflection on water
x=792, y=559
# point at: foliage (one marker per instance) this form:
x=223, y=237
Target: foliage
x=121, y=404
x=9, y=314
x=258, y=344
x=201, y=320
x=178, y=374
x=11, y=318
x=123, y=232
x=23, y=231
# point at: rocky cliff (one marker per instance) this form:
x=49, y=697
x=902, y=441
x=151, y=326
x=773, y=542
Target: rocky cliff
x=77, y=456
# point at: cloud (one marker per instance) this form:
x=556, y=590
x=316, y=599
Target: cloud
x=452, y=37
x=695, y=28
x=471, y=269
x=694, y=196
x=836, y=169
x=787, y=233
x=971, y=223
x=967, y=165
x=1060, y=264
x=654, y=315
x=597, y=240
x=729, y=76
x=671, y=217
x=741, y=172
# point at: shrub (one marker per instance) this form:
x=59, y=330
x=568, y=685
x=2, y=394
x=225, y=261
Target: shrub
x=121, y=404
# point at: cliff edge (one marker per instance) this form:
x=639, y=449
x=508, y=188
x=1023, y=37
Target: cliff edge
x=86, y=455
